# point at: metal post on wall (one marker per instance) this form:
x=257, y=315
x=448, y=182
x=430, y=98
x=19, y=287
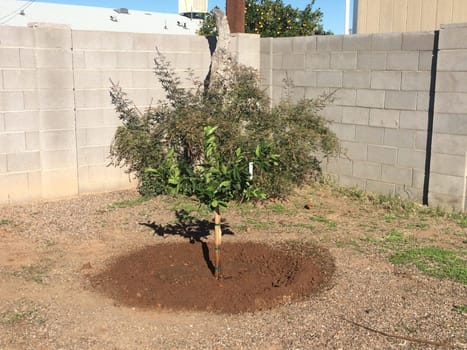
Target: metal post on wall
x=347, y=29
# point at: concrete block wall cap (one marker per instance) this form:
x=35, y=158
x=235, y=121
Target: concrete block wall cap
x=48, y=25
x=246, y=35
x=453, y=25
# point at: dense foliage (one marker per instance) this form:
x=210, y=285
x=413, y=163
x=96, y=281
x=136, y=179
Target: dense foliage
x=273, y=18
x=172, y=146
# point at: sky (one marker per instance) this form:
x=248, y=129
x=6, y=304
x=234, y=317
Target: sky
x=334, y=10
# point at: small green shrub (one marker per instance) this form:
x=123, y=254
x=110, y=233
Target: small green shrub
x=168, y=137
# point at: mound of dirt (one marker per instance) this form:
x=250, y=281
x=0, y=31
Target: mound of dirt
x=179, y=276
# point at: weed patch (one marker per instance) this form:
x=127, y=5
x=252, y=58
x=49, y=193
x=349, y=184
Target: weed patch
x=24, y=312
x=36, y=273
x=5, y=222
x=395, y=206
x=129, y=202
x=394, y=236
x=242, y=228
x=261, y=225
x=434, y=261
x=280, y=209
x=462, y=309
x=350, y=192
x=459, y=218
x=330, y=223
x=349, y=243
x=187, y=205
x=245, y=209
x=418, y=226
x=301, y=225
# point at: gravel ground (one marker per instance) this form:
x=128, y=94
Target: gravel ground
x=48, y=249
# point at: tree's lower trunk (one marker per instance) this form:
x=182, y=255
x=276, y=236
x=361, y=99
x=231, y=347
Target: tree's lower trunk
x=218, y=241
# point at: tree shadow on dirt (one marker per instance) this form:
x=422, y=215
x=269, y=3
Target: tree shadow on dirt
x=194, y=229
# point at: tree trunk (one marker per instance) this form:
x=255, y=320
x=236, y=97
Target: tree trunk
x=218, y=241
x=221, y=60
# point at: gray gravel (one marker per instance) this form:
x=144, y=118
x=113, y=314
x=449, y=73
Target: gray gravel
x=59, y=311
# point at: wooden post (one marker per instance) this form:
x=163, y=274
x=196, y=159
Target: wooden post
x=235, y=10
x=218, y=241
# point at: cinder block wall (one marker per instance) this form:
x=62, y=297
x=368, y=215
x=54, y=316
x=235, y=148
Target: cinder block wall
x=381, y=85
x=56, y=117
x=127, y=59
x=381, y=107
x=449, y=149
x=37, y=137
x=57, y=123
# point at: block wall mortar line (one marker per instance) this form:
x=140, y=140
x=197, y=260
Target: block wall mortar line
x=37, y=107
x=271, y=75
x=73, y=69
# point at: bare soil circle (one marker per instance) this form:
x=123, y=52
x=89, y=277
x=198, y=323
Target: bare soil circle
x=180, y=276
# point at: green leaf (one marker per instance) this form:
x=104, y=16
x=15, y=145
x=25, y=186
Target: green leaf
x=174, y=181
x=224, y=184
x=258, y=151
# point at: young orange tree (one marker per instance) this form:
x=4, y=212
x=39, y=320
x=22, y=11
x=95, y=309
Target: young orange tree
x=217, y=180
x=199, y=142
